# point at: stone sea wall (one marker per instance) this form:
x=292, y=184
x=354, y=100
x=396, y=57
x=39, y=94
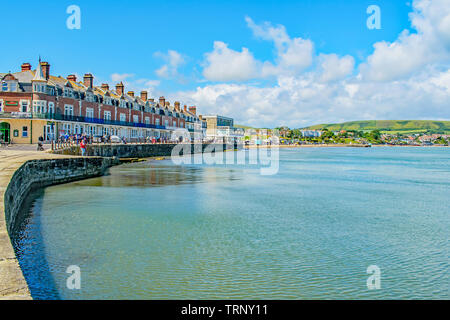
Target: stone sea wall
x=35, y=174
x=140, y=150
x=15, y=187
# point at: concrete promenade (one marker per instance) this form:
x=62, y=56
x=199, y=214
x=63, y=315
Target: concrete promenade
x=12, y=283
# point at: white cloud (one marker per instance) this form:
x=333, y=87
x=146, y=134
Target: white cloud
x=293, y=55
x=116, y=77
x=301, y=101
x=225, y=64
x=137, y=85
x=412, y=51
x=406, y=79
x=173, y=61
x=333, y=68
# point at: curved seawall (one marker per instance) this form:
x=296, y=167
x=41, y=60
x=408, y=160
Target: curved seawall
x=19, y=175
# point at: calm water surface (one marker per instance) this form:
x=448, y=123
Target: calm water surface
x=155, y=230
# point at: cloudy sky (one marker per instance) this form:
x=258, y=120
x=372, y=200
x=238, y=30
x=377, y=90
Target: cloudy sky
x=265, y=63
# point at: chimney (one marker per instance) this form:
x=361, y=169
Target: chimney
x=167, y=104
x=193, y=110
x=72, y=77
x=144, y=95
x=185, y=107
x=45, y=70
x=25, y=66
x=130, y=93
x=200, y=117
x=105, y=86
x=88, y=80
x=177, y=105
x=119, y=88
x=162, y=101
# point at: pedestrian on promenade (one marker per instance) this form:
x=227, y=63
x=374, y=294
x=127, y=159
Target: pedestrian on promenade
x=83, y=147
x=40, y=142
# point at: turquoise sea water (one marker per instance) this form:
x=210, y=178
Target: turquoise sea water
x=155, y=230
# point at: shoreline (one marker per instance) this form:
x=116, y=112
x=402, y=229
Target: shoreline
x=13, y=283
x=21, y=173
x=338, y=146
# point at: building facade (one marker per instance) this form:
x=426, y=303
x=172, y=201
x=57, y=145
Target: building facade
x=34, y=104
x=220, y=128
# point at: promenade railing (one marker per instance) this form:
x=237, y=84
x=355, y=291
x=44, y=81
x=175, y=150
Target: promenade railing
x=72, y=118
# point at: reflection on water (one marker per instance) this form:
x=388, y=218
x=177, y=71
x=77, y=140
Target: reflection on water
x=150, y=174
x=154, y=230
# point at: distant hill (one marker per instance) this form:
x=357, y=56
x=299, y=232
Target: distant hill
x=393, y=126
x=242, y=126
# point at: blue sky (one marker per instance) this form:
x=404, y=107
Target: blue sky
x=132, y=40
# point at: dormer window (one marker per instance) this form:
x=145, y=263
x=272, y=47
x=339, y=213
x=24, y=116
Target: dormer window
x=4, y=86
x=39, y=88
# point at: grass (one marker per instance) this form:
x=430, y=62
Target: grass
x=389, y=126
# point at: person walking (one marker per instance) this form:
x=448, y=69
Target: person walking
x=83, y=147
x=40, y=143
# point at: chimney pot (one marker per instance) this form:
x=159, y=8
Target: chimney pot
x=131, y=93
x=105, y=86
x=45, y=69
x=144, y=95
x=25, y=66
x=88, y=80
x=120, y=88
x=162, y=101
x=72, y=77
x=193, y=110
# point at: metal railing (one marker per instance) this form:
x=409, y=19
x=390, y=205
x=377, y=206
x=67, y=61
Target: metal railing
x=65, y=117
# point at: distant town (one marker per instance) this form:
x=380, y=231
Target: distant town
x=289, y=136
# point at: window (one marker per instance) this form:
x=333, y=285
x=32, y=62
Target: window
x=107, y=115
x=123, y=117
x=4, y=86
x=68, y=110
x=12, y=86
x=39, y=106
x=157, y=121
x=135, y=118
x=1, y=105
x=89, y=113
x=24, y=132
x=51, y=107
x=24, y=106
x=68, y=92
x=147, y=120
x=166, y=123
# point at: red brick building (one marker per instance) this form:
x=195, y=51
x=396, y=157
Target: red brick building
x=34, y=103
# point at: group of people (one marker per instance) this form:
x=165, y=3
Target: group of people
x=82, y=140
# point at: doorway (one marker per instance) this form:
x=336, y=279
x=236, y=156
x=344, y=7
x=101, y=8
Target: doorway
x=5, y=129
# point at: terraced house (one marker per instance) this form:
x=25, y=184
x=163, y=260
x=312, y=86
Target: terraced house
x=34, y=103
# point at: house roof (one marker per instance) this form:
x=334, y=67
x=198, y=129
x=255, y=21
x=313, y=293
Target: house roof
x=9, y=77
x=38, y=75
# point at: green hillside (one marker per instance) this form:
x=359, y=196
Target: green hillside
x=392, y=126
